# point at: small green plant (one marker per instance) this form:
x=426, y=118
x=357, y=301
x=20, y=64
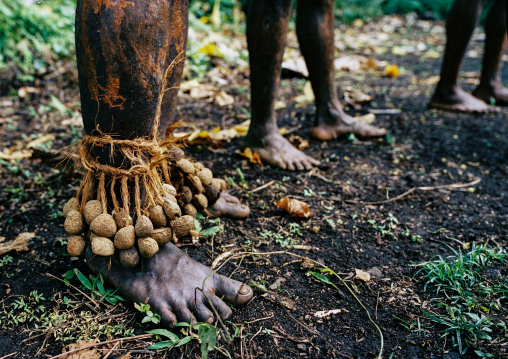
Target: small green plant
x=386, y=227
x=210, y=231
x=206, y=335
x=307, y=192
x=95, y=286
x=149, y=315
x=242, y=178
x=467, y=301
x=5, y=260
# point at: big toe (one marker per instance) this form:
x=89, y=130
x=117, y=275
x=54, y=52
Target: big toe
x=232, y=291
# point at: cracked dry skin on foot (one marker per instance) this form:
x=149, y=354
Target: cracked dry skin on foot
x=171, y=283
x=458, y=100
x=275, y=150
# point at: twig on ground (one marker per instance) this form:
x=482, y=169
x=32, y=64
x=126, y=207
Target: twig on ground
x=268, y=184
x=142, y=336
x=408, y=192
x=111, y=350
x=9, y=355
x=79, y=290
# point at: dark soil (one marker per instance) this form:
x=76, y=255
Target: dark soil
x=425, y=148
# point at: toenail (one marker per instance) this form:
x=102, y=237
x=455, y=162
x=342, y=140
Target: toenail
x=243, y=290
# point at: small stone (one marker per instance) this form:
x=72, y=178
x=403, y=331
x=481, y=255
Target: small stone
x=74, y=223
x=122, y=218
x=157, y=216
x=129, y=258
x=172, y=209
x=72, y=204
x=206, y=176
x=93, y=208
x=144, y=227
x=162, y=235
x=147, y=247
x=190, y=210
x=186, y=166
x=125, y=237
x=183, y=225
x=102, y=246
x=104, y=225
x=76, y=245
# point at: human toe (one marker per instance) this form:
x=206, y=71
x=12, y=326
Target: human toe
x=232, y=291
x=222, y=309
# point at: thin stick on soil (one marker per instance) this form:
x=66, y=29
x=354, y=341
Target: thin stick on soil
x=408, y=192
x=79, y=290
x=142, y=336
x=9, y=355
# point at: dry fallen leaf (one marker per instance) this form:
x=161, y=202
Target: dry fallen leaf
x=392, y=71
x=299, y=142
x=294, y=207
x=221, y=98
x=252, y=156
x=362, y=275
x=90, y=353
x=307, y=97
x=19, y=244
x=15, y=155
x=41, y=140
x=354, y=96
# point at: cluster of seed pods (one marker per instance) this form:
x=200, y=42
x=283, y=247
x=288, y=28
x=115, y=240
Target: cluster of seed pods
x=116, y=233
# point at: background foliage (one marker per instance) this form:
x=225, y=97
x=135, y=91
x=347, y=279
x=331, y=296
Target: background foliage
x=36, y=34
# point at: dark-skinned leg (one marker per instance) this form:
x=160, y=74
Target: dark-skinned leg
x=315, y=31
x=460, y=25
x=495, y=45
x=119, y=48
x=267, y=22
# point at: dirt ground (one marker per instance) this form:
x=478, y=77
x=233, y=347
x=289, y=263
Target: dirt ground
x=424, y=148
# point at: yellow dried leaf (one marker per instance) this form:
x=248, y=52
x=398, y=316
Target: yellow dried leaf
x=221, y=98
x=392, y=71
x=307, y=97
x=294, y=207
x=16, y=155
x=367, y=119
x=252, y=156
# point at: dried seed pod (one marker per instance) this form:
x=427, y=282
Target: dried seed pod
x=162, y=235
x=200, y=201
x=72, y=204
x=212, y=193
x=220, y=184
x=147, y=247
x=196, y=183
x=206, y=176
x=171, y=198
x=122, y=218
x=129, y=258
x=169, y=189
x=93, y=208
x=74, y=223
x=125, y=237
x=172, y=209
x=183, y=225
x=190, y=210
x=198, y=166
x=76, y=245
x=177, y=153
x=102, y=246
x=186, y=195
x=104, y=225
x=144, y=227
x=157, y=216
x=186, y=166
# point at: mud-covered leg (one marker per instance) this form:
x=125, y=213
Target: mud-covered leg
x=123, y=47
x=460, y=25
x=315, y=30
x=267, y=22
x=490, y=86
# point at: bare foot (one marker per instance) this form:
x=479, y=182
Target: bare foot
x=169, y=282
x=456, y=99
x=228, y=206
x=343, y=125
x=275, y=150
x=499, y=93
